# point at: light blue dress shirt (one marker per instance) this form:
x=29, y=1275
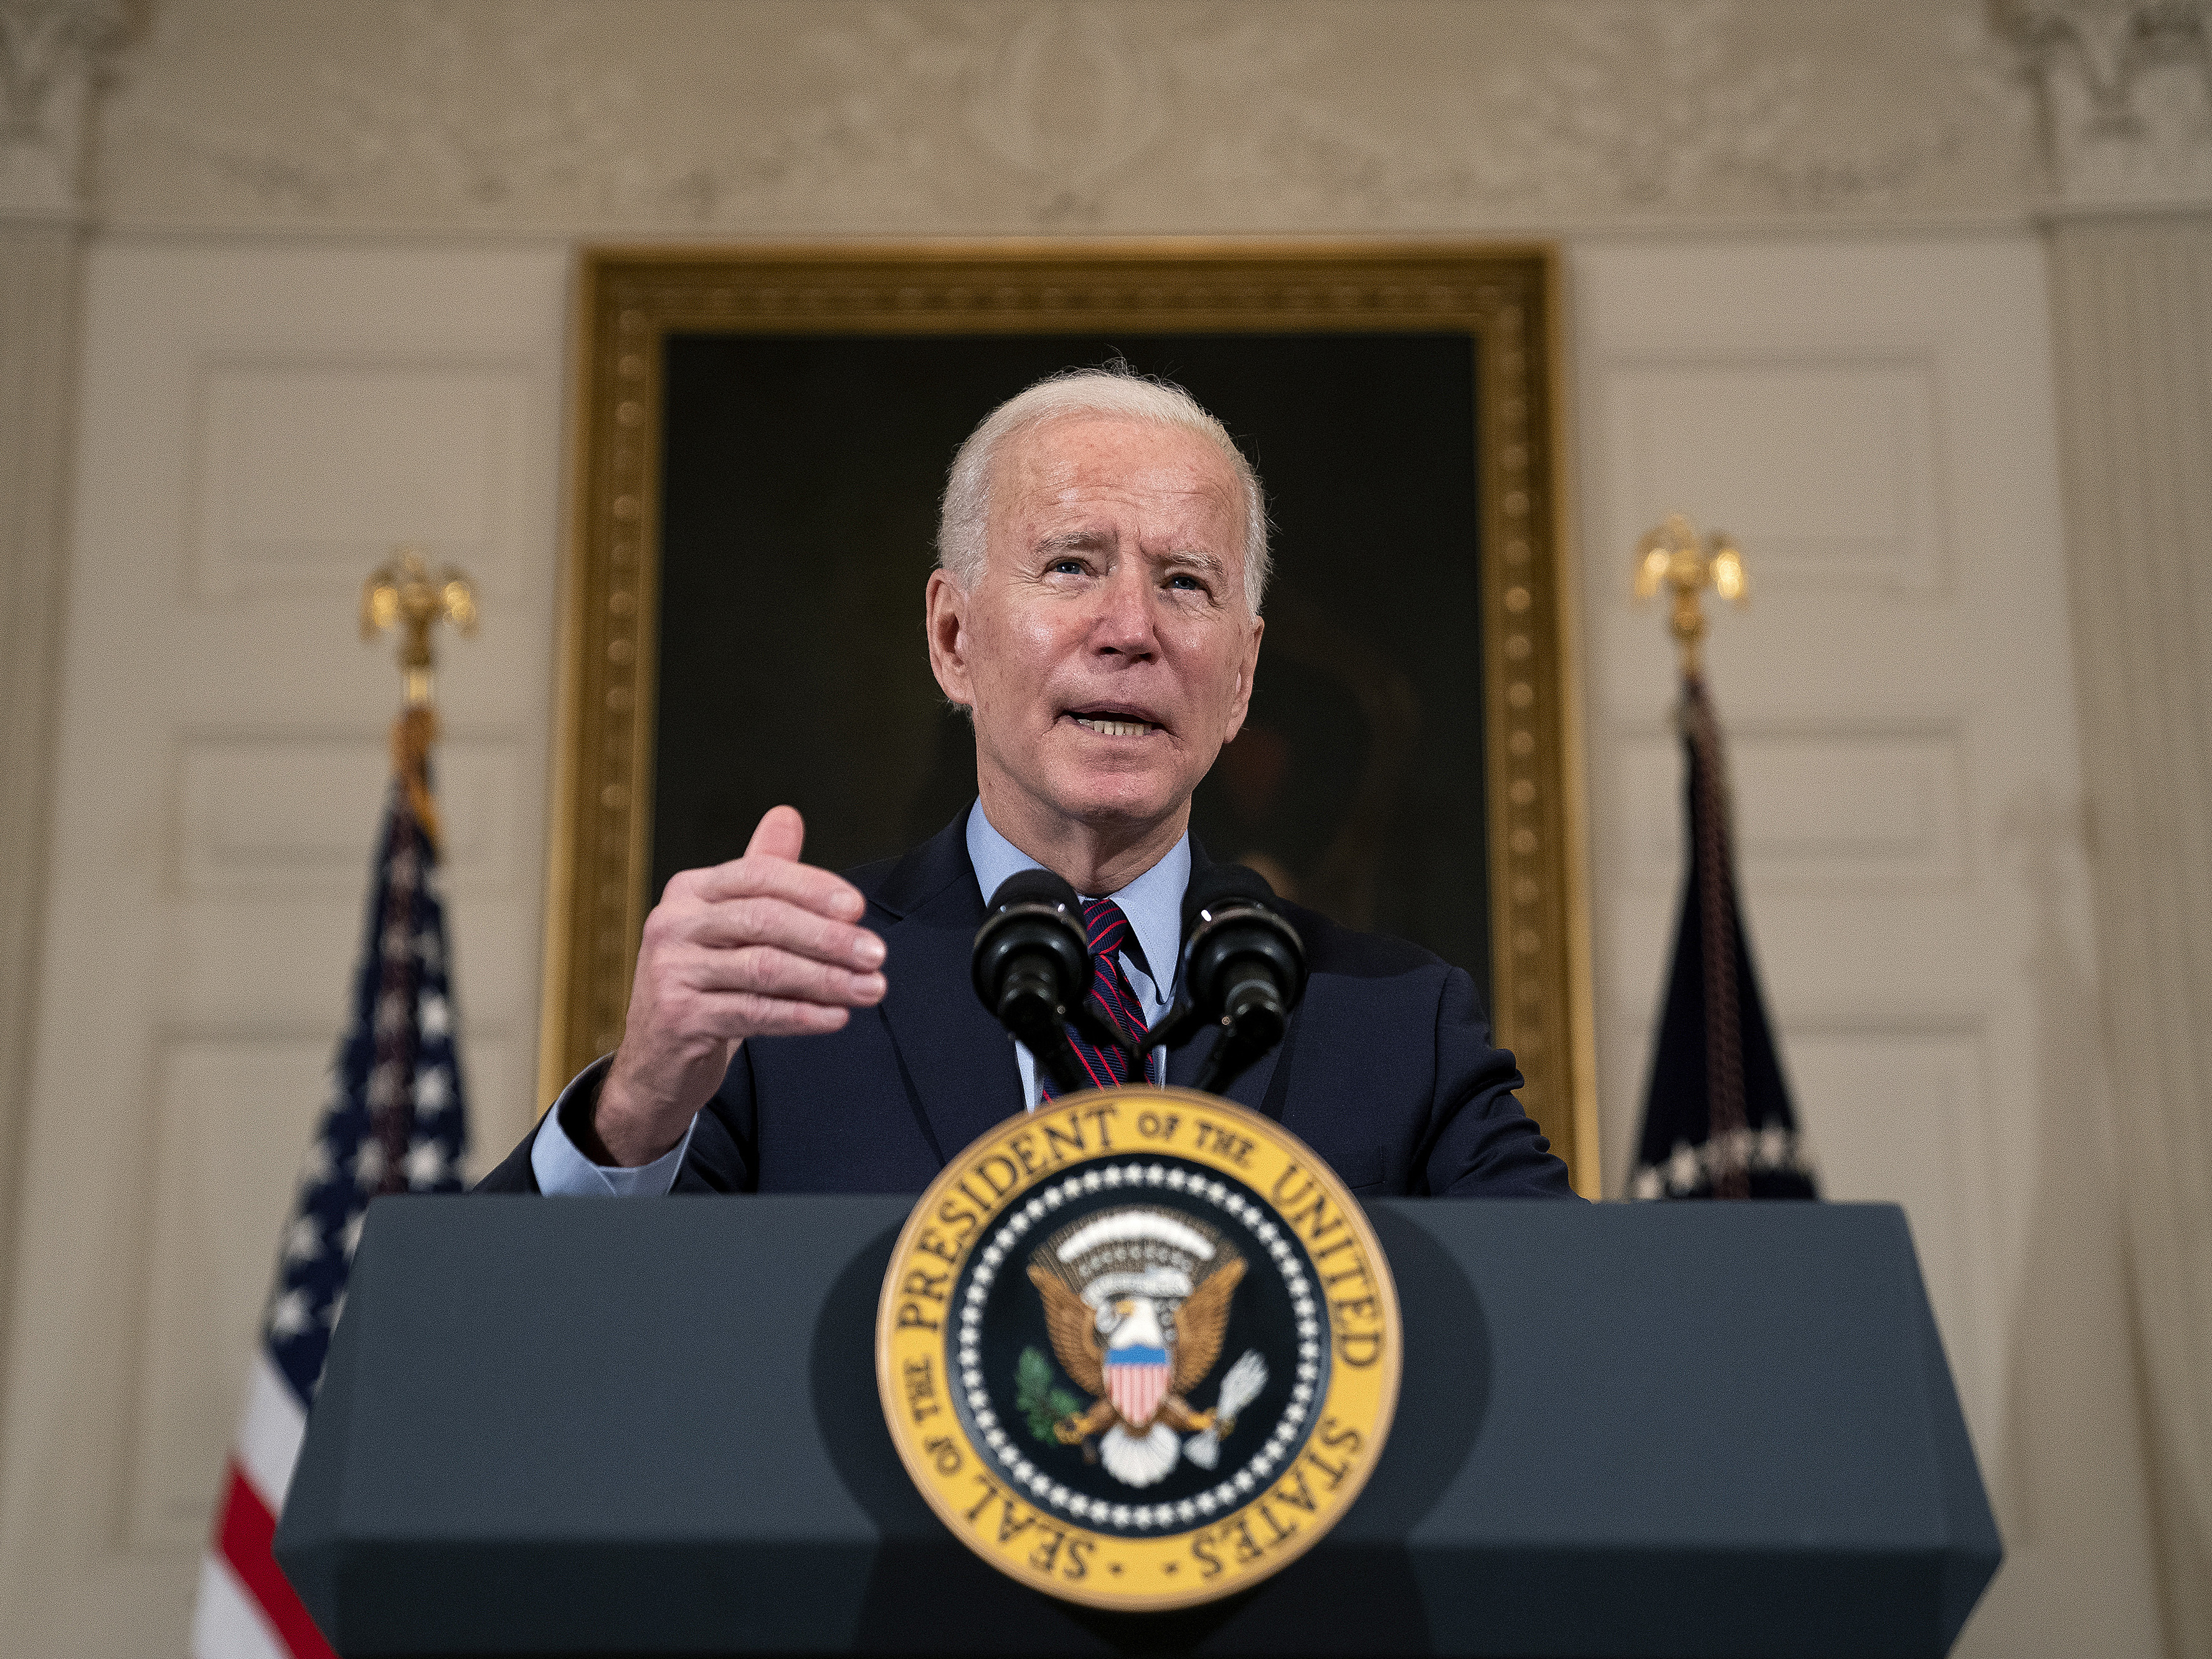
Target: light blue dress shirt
x=1152, y=902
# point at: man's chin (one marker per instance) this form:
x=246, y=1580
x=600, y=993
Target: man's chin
x=1122, y=810
x=1117, y=787
x=1117, y=801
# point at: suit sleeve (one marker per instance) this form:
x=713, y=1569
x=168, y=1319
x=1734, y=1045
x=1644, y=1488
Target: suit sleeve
x=517, y=1171
x=513, y=1174
x=725, y=1154
x=1481, y=1144
x=713, y=1157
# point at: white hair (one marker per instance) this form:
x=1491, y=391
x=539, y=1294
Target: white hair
x=1114, y=392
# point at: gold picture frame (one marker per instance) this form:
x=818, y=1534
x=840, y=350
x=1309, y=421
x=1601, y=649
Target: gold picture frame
x=1506, y=299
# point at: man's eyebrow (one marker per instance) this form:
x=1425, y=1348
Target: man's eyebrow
x=1075, y=541
x=1192, y=558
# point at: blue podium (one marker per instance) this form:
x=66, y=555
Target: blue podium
x=592, y=1426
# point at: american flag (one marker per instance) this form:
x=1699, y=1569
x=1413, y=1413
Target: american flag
x=394, y=1123
x=1718, y=1122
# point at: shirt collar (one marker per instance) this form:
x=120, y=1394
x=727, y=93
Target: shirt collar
x=1152, y=902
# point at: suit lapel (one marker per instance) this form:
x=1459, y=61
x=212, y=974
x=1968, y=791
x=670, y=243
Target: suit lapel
x=1251, y=1089
x=957, y=1065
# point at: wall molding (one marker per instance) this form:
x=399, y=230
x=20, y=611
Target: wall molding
x=1802, y=838
x=2123, y=92
x=52, y=55
x=1237, y=115
x=2131, y=301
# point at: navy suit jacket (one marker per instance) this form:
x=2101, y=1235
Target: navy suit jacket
x=1387, y=1070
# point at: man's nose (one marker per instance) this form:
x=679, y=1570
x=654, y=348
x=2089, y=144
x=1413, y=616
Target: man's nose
x=1124, y=623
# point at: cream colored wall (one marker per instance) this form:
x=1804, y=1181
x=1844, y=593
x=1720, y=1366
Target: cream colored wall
x=260, y=424
x=1873, y=418
x=325, y=310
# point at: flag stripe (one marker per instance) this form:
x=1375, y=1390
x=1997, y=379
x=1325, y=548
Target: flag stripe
x=246, y=1531
x=270, y=1432
x=1136, y=1390
x=226, y=1625
x=395, y=1121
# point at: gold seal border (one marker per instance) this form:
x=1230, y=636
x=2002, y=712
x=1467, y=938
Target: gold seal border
x=1378, y=1396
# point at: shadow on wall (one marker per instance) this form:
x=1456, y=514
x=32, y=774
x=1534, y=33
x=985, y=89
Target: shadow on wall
x=2071, y=1465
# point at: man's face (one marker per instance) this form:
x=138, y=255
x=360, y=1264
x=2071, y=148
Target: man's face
x=1106, y=648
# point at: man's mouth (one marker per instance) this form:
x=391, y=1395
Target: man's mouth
x=1112, y=723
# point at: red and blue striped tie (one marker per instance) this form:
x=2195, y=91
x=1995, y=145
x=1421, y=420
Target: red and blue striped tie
x=1111, y=993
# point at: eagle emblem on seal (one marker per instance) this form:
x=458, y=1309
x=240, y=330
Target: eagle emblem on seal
x=1136, y=1302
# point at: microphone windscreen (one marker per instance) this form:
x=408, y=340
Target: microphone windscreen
x=1218, y=885
x=1033, y=887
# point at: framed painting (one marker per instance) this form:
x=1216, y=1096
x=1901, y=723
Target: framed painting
x=761, y=438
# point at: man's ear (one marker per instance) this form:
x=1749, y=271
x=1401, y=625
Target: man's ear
x=945, y=620
x=1245, y=671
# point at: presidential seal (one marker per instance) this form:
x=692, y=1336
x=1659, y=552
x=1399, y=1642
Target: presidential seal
x=1139, y=1349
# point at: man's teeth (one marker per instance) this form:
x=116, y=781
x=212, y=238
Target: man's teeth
x=1114, y=728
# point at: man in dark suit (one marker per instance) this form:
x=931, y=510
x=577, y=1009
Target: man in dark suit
x=1103, y=553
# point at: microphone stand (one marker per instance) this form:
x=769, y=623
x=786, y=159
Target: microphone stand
x=1033, y=1013
x=1247, y=1035
x=1243, y=970
x=1032, y=968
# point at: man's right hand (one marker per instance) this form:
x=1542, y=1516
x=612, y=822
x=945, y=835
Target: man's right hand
x=760, y=946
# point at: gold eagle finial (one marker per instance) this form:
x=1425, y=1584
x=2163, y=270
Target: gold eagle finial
x=402, y=593
x=1673, y=555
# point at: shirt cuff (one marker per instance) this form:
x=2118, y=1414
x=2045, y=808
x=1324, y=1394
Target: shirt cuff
x=562, y=1172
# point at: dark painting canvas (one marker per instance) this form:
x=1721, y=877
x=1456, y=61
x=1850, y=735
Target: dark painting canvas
x=798, y=509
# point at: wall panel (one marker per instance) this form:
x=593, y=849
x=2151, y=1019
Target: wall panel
x=232, y=1116
x=1874, y=422
x=1829, y=465
x=261, y=423
x=1901, y=1116
x=1862, y=809
x=280, y=814
x=309, y=472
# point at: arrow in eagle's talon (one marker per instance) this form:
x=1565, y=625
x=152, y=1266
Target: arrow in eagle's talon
x=1246, y=1378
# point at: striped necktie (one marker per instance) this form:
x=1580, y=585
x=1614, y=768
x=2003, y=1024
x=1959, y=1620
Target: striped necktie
x=1107, y=931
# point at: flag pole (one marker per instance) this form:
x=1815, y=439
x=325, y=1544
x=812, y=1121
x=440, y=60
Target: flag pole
x=395, y=1120
x=1673, y=557
x=1717, y=1118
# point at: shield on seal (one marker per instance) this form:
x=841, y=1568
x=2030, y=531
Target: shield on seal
x=1136, y=1382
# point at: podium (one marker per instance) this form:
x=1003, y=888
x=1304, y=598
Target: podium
x=597, y=1426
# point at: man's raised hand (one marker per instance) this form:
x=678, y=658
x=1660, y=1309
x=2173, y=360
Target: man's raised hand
x=760, y=946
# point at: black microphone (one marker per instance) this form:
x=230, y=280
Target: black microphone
x=1243, y=970
x=1032, y=968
